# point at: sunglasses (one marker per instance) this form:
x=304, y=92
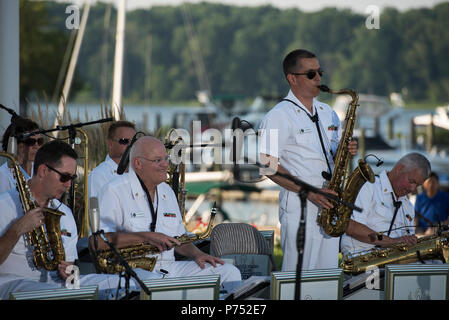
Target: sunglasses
x=123, y=141
x=310, y=74
x=63, y=177
x=29, y=142
x=156, y=161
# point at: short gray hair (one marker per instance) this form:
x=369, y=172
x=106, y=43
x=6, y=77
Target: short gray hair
x=138, y=147
x=416, y=160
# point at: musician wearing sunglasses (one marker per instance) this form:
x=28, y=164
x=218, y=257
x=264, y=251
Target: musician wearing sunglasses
x=301, y=135
x=54, y=169
x=120, y=134
x=26, y=151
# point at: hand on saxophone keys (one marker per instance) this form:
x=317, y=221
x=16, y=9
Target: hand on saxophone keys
x=33, y=219
x=161, y=241
x=409, y=240
x=352, y=147
x=321, y=200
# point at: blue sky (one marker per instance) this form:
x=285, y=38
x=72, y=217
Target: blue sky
x=305, y=5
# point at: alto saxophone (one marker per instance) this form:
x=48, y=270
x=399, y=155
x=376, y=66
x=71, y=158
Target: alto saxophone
x=137, y=255
x=427, y=248
x=335, y=221
x=48, y=250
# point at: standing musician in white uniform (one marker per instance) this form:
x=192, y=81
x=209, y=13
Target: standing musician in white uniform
x=291, y=141
x=55, y=166
x=388, y=215
x=129, y=214
x=26, y=151
x=120, y=134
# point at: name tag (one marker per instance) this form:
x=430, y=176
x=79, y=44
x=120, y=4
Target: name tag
x=64, y=232
x=170, y=214
x=139, y=214
x=304, y=130
x=332, y=128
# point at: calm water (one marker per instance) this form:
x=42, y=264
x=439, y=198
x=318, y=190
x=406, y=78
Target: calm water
x=258, y=213
x=249, y=211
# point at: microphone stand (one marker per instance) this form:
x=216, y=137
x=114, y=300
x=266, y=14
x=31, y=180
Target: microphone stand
x=301, y=234
x=129, y=272
x=71, y=128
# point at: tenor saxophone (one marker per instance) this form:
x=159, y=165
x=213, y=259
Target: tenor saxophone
x=427, y=248
x=334, y=221
x=137, y=256
x=48, y=250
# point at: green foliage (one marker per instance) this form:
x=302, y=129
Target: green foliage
x=242, y=49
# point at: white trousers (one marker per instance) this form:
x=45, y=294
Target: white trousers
x=229, y=274
x=107, y=284
x=320, y=250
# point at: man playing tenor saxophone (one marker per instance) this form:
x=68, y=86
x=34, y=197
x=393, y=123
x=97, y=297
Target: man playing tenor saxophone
x=27, y=265
x=139, y=207
x=388, y=216
x=308, y=133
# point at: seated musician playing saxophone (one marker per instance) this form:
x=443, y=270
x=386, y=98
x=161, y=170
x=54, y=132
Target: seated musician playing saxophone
x=54, y=169
x=388, y=216
x=140, y=207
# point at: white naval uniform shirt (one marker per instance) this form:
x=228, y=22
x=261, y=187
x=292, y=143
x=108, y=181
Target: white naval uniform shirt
x=101, y=175
x=7, y=180
x=124, y=207
x=20, y=262
x=378, y=210
x=288, y=133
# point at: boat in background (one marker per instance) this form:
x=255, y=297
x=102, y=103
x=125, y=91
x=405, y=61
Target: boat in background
x=439, y=118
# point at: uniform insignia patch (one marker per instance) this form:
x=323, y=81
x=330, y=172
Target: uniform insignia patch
x=170, y=214
x=64, y=232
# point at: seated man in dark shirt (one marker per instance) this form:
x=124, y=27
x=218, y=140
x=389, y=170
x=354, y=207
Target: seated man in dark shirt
x=432, y=206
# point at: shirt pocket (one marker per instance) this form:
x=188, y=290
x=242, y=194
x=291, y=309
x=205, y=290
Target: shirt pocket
x=381, y=218
x=139, y=221
x=168, y=224
x=304, y=135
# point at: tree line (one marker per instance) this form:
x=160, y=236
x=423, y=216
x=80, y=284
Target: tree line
x=236, y=50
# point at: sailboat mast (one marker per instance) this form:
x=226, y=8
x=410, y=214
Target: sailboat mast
x=73, y=60
x=116, y=102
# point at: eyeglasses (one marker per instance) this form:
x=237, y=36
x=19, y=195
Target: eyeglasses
x=310, y=74
x=63, y=177
x=155, y=161
x=123, y=141
x=29, y=142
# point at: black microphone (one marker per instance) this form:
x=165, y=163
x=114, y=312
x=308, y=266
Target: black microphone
x=235, y=123
x=124, y=160
x=234, y=126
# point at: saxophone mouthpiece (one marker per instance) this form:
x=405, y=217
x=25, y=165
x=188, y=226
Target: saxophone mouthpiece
x=214, y=210
x=324, y=88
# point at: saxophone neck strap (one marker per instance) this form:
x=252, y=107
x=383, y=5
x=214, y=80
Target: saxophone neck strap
x=397, y=205
x=315, y=120
x=150, y=202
